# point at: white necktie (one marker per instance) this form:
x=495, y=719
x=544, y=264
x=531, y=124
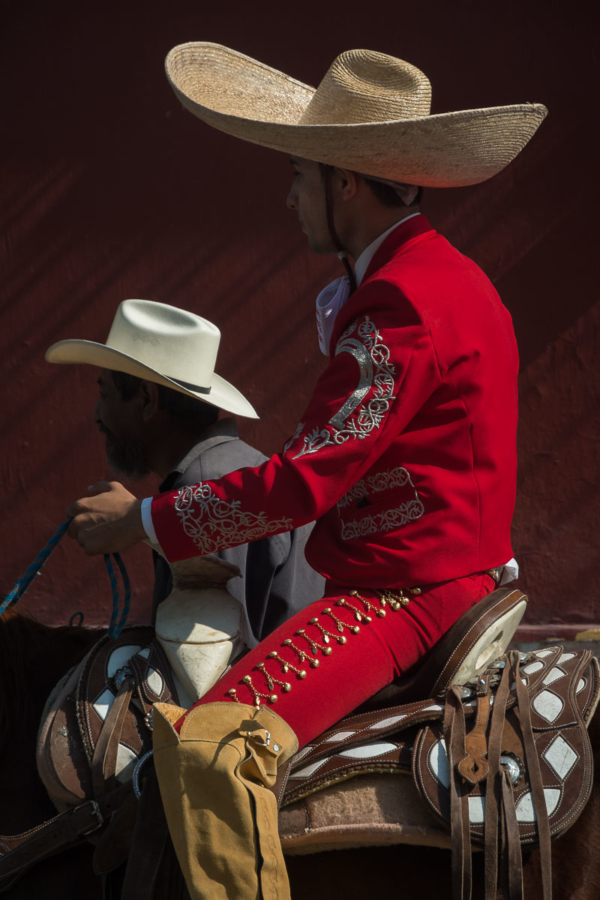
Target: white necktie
x=329, y=302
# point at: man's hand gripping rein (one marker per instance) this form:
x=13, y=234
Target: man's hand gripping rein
x=108, y=521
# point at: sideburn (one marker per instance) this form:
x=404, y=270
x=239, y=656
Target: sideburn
x=326, y=172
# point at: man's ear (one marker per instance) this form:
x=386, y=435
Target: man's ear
x=149, y=399
x=346, y=182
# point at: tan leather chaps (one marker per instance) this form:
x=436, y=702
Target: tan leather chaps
x=215, y=781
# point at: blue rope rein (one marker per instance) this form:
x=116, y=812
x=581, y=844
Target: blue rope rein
x=115, y=628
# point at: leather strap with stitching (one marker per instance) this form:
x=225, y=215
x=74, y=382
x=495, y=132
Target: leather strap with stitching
x=65, y=830
x=492, y=798
x=454, y=736
x=104, y=760
x=535, y=778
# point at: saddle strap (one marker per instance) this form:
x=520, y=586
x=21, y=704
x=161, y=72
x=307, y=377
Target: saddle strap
x=514, y=860
x=454, y=729
x=104, y=760
x=492, y=798
x=535, y=778
x=474, y=766
x=21, y=851
x=112, y=849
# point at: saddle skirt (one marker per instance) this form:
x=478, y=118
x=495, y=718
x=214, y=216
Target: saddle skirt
x=364, y=781
x=126, y=676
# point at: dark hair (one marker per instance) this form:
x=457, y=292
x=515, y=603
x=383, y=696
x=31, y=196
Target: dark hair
x=388, y=196
x=180, y=406
x=384, y=192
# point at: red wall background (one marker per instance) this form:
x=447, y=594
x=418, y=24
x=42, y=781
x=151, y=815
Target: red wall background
x=110, y=190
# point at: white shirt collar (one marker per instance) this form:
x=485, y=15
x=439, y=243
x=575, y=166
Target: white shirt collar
x=362, y=263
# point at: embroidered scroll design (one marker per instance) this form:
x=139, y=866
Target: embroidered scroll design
x=206, y=519
x=382, y=481
x=356, y=419
x=385, y=520
x=388, y=520
x=293, y=438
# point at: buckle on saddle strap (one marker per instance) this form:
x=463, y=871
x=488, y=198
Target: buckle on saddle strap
x=95, y=809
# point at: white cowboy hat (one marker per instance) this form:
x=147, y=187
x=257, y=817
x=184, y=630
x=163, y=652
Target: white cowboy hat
x=369, y=114
x=151, y=339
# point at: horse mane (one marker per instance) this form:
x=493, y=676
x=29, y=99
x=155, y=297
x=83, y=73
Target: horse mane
x=33, y=657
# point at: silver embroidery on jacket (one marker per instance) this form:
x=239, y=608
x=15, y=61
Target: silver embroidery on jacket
x=388, y=519
x=206, y=519
x=356, y=419
x=294, y=437
x=381, y=481
x=380, y=522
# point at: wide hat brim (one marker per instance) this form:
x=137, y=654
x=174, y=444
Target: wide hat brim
x=222, y=393
x=249, y=100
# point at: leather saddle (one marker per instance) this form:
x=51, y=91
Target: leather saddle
x=493, y=745
x=97, y=727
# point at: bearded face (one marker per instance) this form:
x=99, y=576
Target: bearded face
x=117, y=420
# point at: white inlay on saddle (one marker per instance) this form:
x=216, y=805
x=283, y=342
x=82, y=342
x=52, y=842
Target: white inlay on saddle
x=581, y=685
x=532, y=667
x=560, y=756
x=438, y=761
x=309, y=770
x=145, y=652
x=477, y=810
x=302, y=753
x=103, y=703
x=340, y=736
x=525, y=810
x=565, y=657
x=155, y=682
x=120, y=657
x=126, y=763
x=548, y=705
x=385, y=723
x=369, y=750
x=543, y=653
x=553, y=675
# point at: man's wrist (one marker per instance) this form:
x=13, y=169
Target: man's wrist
x=135, y=525
x=147, y=523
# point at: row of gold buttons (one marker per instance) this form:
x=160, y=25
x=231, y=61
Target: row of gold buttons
x=396, y=601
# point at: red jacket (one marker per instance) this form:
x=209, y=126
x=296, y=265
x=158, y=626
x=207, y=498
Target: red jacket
x=406, y=454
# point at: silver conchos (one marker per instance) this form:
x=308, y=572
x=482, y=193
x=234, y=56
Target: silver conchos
x=514, y=765
x=120, y=676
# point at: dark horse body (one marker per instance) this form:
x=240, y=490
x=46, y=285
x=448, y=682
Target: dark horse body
x=32, y=660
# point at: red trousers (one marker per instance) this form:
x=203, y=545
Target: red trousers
x=329, y=658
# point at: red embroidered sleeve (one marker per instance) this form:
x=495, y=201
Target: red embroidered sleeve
x=383, y=371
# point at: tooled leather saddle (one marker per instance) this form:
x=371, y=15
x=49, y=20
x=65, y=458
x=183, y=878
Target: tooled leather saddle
x=497, y=746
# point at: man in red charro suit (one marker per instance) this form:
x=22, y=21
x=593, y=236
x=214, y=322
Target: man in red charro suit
x=405, y=454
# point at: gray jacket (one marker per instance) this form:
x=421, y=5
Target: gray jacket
x=276, y=580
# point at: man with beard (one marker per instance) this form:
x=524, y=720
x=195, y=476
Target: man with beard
x=167, y=425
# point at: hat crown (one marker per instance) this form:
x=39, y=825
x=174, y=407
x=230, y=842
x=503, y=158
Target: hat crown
x=365, y=86
x=172, y=341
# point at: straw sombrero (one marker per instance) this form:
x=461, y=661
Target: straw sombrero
x=164, y=344
x=369, y=114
